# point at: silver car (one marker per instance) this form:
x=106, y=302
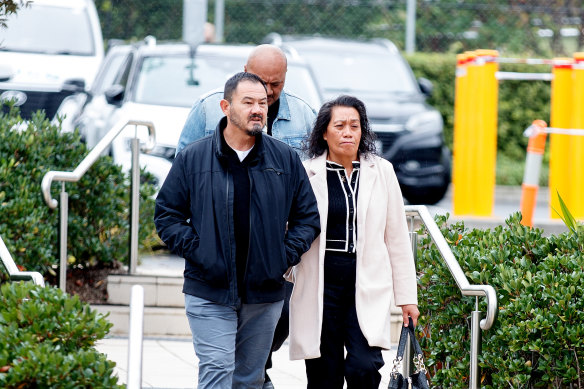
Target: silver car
x=159, y=83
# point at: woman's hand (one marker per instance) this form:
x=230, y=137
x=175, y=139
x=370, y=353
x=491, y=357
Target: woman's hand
x=410, y=310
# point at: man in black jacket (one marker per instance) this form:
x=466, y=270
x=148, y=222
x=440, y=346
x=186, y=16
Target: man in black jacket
x=238, y=206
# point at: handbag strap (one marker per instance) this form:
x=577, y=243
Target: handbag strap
x=418, y=354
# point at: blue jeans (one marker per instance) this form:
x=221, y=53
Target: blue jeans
x=232, y=344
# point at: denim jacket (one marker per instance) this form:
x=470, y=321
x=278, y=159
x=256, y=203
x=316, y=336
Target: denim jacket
x=292, y=125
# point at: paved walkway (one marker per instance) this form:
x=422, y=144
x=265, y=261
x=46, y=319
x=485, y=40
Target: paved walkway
x=170, y=363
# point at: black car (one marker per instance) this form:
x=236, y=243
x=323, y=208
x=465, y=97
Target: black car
x=409, y=131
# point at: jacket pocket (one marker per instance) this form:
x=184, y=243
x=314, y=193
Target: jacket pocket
x=205, y=264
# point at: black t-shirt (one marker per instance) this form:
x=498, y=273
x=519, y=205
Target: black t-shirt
x=241, y=196
x=272, y=114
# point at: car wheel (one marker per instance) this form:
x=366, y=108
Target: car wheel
x=426, y=196
x=429, y=195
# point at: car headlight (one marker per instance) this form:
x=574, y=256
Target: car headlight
x=425, y=121
x=69, y=111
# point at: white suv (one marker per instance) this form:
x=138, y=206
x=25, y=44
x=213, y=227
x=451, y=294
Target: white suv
x=48, y=51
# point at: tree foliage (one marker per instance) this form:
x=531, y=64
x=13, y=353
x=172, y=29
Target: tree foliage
x=47, y=340
x=9, y=7
x=511, y=26
x=98, y=203
x=537, y=339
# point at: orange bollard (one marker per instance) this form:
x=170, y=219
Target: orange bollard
x=535, y=150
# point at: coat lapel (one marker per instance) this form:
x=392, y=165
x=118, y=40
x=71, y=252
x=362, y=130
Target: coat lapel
x=367, y=178
x=317, y=175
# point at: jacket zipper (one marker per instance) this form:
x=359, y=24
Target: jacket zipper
x=248, y=233
x=233, y=290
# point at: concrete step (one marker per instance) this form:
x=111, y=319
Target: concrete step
x=158, y=321
x=164, y=312
x=172, y=321
x=159, y=291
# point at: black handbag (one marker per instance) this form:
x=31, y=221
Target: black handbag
x=418, y=379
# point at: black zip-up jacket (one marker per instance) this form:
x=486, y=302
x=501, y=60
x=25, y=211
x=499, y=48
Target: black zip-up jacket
x=194, y=217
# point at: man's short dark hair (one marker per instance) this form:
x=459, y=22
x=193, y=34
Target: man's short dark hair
x=234, y=81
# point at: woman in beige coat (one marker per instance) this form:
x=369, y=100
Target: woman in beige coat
x=344, y=283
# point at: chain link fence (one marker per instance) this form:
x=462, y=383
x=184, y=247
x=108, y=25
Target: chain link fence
x=544, y=28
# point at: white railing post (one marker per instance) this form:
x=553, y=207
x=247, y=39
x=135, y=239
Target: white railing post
x=135, y=337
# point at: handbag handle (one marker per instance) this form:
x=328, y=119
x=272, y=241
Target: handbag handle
x=418, y=355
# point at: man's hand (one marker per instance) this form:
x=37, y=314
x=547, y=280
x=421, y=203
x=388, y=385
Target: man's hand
x=410, y=310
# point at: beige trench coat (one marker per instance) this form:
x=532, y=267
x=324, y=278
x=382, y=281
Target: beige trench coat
x=385, y=263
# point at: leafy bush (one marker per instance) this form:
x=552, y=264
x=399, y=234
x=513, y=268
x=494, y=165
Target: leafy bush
x=520, y=102
x=47, y=340
x=538, y=337
x=98, y=203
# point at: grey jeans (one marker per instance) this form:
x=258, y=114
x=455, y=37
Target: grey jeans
x=232, y=344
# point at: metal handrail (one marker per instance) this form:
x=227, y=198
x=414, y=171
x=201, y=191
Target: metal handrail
x=91, y=158
x=465, y=288
x=13, y=271
x=81, y=169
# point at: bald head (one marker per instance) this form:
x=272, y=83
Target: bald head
x=270, y=64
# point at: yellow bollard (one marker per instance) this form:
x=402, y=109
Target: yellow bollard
x=575, y=200
x=560, y=117
x=475, y=134
x=471, y=132
x=485, y=139
x=535, y=150
x=461, y=197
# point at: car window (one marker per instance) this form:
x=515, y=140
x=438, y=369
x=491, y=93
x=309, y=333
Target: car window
x=348, y=73
x=178, y=80
x=116, y=65
x=57, y=30
x=122, y=76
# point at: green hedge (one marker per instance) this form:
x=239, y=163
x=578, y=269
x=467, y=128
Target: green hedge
x=47, y=340
x=520, y=102
x=538, y=337
x=98, y=203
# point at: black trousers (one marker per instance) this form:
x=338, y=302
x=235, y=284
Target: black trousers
x=340, y=330
x=283, y=326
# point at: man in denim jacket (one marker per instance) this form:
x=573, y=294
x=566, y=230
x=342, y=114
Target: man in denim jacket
x=290, y=120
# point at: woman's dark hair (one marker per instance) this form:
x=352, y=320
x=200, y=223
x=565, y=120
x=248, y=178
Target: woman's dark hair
x=316, y=144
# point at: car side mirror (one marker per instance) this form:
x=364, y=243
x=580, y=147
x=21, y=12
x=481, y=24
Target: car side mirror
x=115, y=94
x=74, y=85
x=426, y=86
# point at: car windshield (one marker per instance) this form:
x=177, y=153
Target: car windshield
x=48, y=30
x=177, y=81
x=349, y=73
